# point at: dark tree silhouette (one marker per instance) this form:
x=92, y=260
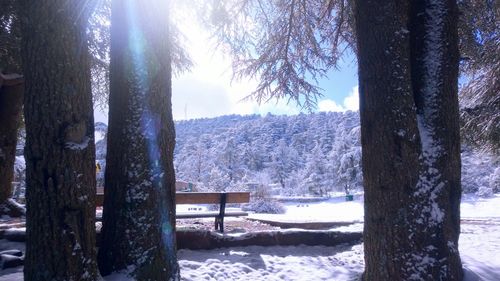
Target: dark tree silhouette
x=408, y=73
x=139, y=204
x=60, y=152
x=408, y=66
x=11, y=102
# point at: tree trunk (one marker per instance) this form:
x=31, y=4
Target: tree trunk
x=60, y=152
x=11, y=103
x=138, y=231
x=408, y=69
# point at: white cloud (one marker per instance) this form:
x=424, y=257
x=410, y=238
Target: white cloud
x=351, y=102
x=193, y=98
x=207, y=91
x=329, y=105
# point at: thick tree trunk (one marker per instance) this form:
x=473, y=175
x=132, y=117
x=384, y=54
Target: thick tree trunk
x=139, y=205
x=11, y=101
x=11, y=104
x=408, y=66
x=60, y=152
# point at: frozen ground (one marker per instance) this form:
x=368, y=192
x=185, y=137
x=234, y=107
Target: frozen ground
x=273, y=263
x=479, y=247
x=335, y=209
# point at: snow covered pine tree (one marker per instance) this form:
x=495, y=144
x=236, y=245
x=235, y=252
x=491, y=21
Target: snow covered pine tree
x=139, y=205
x=60, y=153
x=408, y=71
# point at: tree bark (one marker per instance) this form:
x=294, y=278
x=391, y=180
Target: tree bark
x=138, y=231
x=60, y=152
x=11, y=101
x=11, y=104
x=408, y=69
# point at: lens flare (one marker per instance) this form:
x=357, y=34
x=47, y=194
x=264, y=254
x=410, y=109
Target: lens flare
x=150, y=124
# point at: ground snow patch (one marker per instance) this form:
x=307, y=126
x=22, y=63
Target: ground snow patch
x=273, y=263
x=479, y=246
x=327, y=211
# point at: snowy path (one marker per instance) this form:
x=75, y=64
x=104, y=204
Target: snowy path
x=479, y=247
x=273, y=263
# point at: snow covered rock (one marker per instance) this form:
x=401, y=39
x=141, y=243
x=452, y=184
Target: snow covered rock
x=196, y=240
x=9, y=261
x=15, y=234
x=15, y=252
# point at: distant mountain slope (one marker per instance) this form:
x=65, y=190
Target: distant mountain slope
x=295, y=155
x=305, y=154
x=300, y=154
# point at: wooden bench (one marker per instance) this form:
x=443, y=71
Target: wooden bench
x=221, y=198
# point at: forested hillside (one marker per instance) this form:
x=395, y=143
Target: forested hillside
x=305, y=154
x=295, y=155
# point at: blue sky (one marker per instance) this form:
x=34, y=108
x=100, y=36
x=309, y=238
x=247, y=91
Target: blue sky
x=208, y=90
x=340, y=83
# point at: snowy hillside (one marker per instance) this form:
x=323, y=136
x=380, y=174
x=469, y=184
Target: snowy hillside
x=305, y=154
x=294, y=155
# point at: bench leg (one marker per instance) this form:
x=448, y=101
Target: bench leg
x=219, y=223
x=219, y=220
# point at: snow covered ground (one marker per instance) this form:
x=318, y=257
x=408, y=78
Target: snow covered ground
x=479, y=247
x=273, y=263
x=334, y=209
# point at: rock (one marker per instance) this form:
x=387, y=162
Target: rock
x=12, y=209
x=9, y=261
x=205, y=240
x=15, y=234
x=13, y=252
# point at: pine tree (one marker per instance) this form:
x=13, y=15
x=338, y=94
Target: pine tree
x=408, y=72
x=408, y=67
x=138, y=231
x=11, y=101
x=283, y=162
x=60, y=153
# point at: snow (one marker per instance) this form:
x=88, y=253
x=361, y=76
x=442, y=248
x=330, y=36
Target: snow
x=333, y=210
x=479, y=246
x=12, y=274
x=482, y=208
x=98, y=136
x=430, y=184
x=272, y=263
x=78, y=146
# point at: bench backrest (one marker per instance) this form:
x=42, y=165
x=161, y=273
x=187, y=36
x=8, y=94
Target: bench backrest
x=195, y=197
x=210, y=197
